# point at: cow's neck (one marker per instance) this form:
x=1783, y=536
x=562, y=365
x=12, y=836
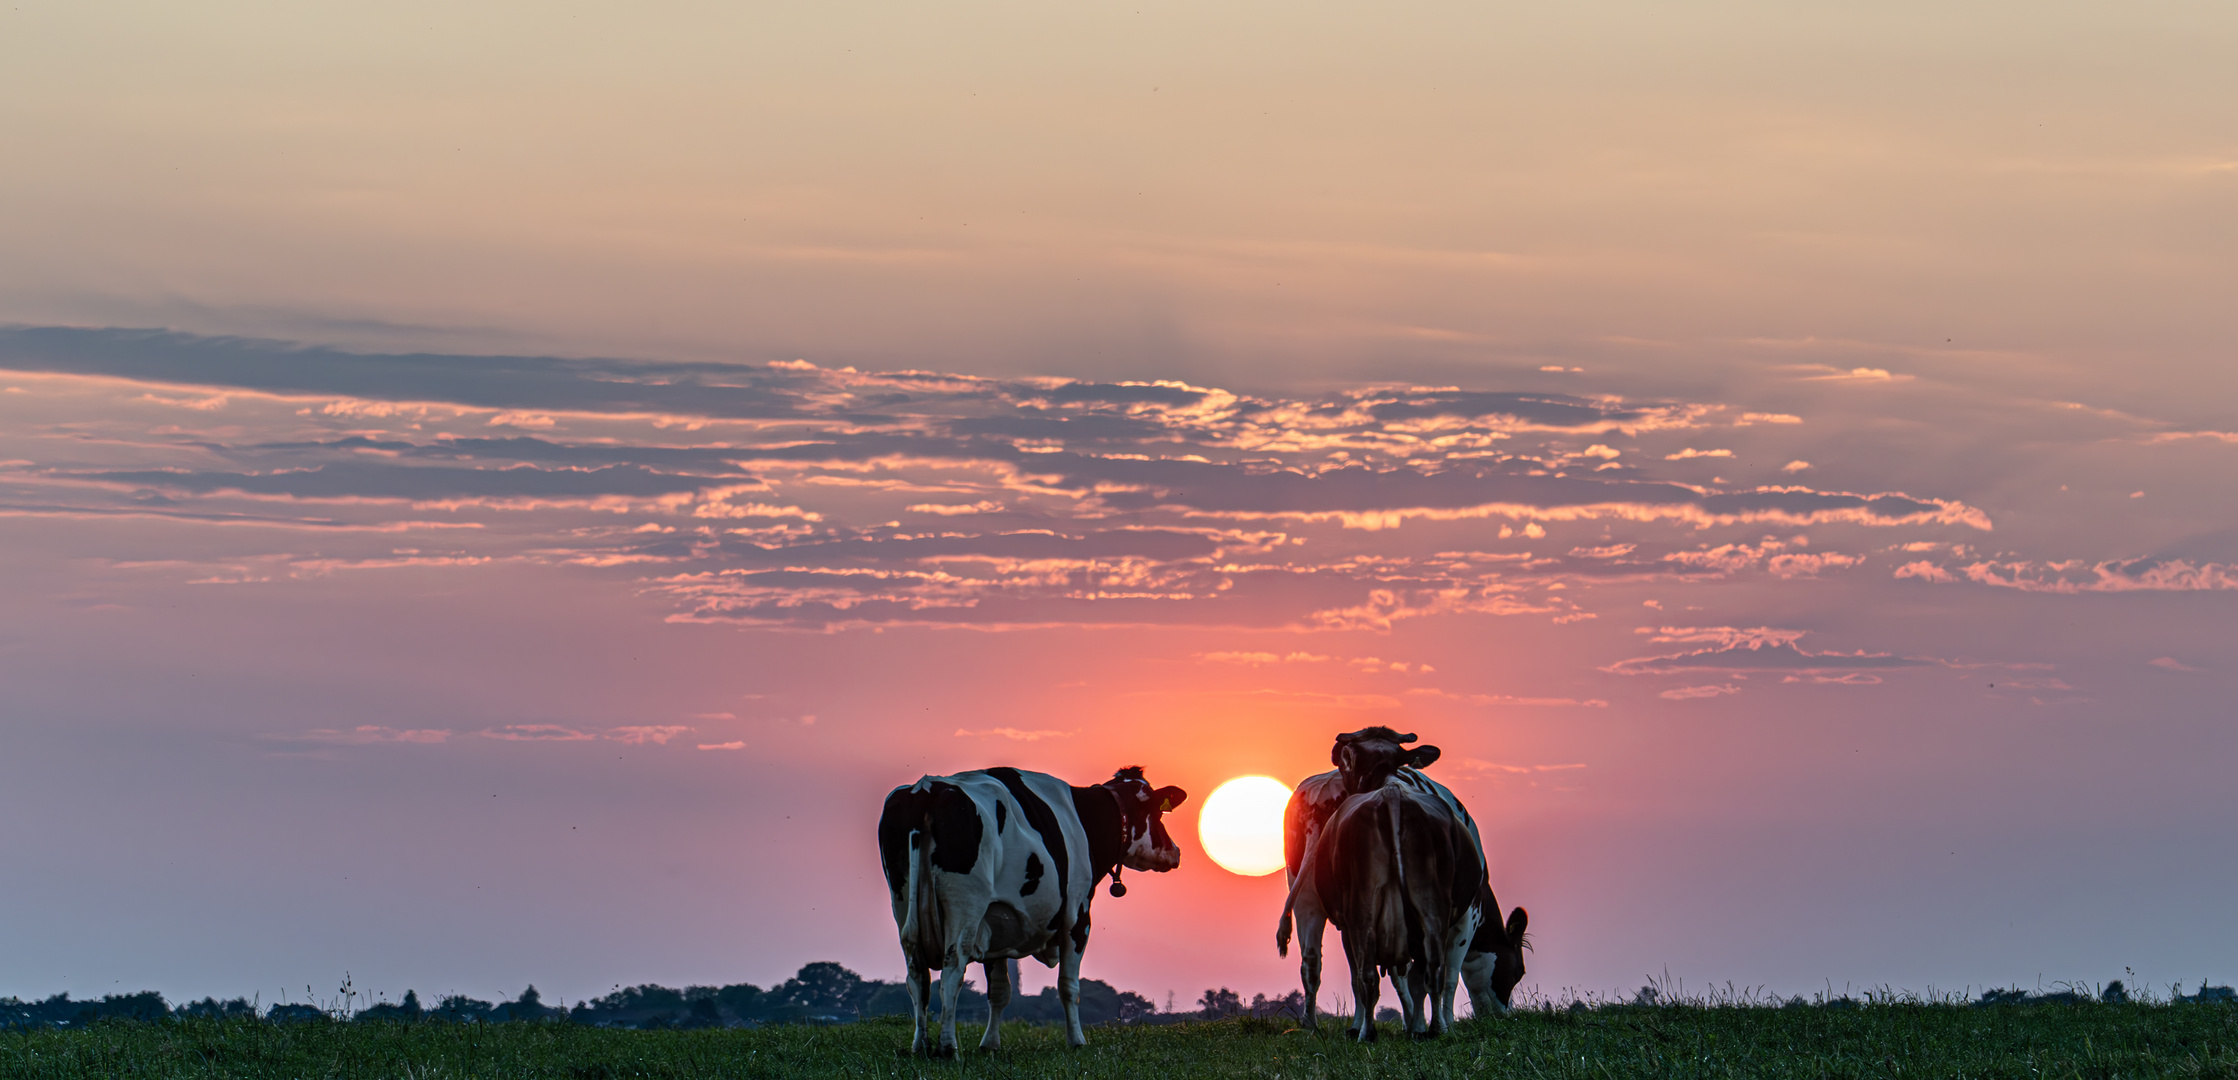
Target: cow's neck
x=1106, y=826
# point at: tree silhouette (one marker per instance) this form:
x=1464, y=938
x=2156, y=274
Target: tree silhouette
x=821, y=985
x=1221, y=1002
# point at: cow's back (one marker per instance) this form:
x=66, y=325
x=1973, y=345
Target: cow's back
x=1420, y=781
x=1045, y=804
x=1356, y=872
x=999, y=864
x=1311, y=803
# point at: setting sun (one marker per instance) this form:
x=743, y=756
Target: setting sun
x=1241, y=825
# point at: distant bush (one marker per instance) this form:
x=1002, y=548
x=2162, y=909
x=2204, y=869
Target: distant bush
x=2211, y=995
x=212, y=1008
x=405, y=1012
x=61, y=1011
x=296, y=1014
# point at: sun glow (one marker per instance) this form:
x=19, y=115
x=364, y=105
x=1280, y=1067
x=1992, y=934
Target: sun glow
x=1241, y=825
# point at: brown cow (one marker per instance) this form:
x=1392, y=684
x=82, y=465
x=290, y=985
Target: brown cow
x=1368, y=758
x=1396, y=873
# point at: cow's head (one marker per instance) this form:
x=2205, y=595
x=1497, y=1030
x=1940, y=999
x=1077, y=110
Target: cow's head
x=1507, y=964
x=1144, y=844
x=1369, y=756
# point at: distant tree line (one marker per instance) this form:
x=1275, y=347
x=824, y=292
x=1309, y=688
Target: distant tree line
x=820, y=993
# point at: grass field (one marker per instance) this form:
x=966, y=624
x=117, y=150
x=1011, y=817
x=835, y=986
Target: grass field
x=1875, y=1041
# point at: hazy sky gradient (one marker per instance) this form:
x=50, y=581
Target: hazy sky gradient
x=1783, y=455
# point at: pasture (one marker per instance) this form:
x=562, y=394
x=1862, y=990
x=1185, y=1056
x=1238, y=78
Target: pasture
x=1871, y=1040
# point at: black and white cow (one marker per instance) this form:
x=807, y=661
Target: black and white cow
x=997, y=864
x=1368, y=759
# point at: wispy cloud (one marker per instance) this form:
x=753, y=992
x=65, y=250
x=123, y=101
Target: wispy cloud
x=2125, y=575
x=1015, y=734
x=1256, y=659
x=1734, y=649
x=632, y=734
x=1479, y=767
x=1508, y=699
x=535, y=733
x=2079, y=576
x=365, y=735
x=1859, y=374
x=1685, y=693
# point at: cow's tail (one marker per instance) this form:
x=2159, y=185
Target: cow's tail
x=1394, y=806
x=1282, y=928
x=1290, y=904
x=1297, y=881
x=920, y=888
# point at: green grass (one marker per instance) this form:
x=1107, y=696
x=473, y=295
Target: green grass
x=1875, y=1041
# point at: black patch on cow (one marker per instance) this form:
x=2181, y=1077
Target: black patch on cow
x=1492, y=936
x=1002, y=816
x=942, y=811
x=956, y=829
x=1044, y=821
x=904, y=812
x=1033, y=875
x=1006, y=930
x=1098, y=810
x=1080, y=933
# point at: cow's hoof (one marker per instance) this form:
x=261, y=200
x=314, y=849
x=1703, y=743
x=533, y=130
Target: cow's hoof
x=943, y=1053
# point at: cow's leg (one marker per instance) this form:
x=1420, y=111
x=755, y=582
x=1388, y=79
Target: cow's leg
x=920, y=1005
x=1437, y=988
x=1367, y=989
x=1363, y=1010
x=951, y=990
x=1455, y=962
x=1068, y=982
x=1311, y=925
x=1410, y=989
x=1476, y=974
x=998, y=995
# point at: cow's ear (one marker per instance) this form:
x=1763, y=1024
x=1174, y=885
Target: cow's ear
x=1170, y=797
x=1422, y=757
x=1519, y=920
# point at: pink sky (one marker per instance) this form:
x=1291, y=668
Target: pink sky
x=572, y=464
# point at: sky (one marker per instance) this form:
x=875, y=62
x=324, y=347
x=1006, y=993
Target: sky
x=497, y=496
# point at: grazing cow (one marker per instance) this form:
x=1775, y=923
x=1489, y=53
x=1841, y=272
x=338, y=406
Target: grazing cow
x=997, y=864
x=1370, y=758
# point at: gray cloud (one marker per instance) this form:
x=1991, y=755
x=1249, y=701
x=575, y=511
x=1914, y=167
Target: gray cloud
x=1549, y=410
x=500, y=382
x=2078, y=576
x=380, y=481
x=1756, y=650
x=787, y=493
